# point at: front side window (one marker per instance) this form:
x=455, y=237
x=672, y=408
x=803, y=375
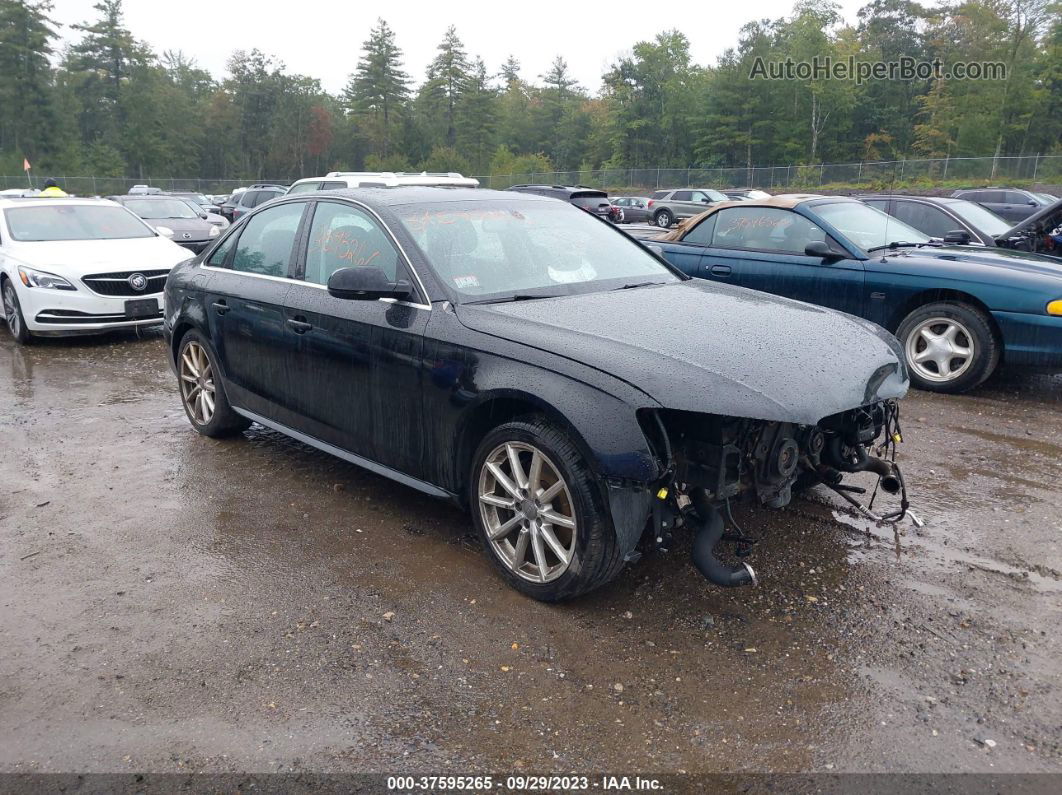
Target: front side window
x=499, y=249
x=266, y=242
x=926, y=218
x=74, y=222
x=342, y=236
x=765, y=229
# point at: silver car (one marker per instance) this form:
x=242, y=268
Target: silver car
x=668, y=206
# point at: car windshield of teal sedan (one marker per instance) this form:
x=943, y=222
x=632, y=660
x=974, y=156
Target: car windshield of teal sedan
x=867, y=227
x=53, y=222
x=527, y=249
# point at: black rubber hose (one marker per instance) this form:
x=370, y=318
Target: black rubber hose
x=709, y=531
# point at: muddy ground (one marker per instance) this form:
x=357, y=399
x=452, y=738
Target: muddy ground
x=173, y=603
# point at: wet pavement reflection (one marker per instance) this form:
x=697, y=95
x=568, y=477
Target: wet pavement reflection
x=178, y=603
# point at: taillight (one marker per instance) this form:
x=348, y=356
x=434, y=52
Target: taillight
x=650, y=204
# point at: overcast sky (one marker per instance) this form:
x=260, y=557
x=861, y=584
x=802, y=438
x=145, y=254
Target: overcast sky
x=322, y=38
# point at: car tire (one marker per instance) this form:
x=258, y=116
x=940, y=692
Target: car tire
x=664, y=219
x=202, y=389
x=547, y=560
x=949, y=346
x=16, y=321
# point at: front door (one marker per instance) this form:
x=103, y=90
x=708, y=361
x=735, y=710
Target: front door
x=763, y=248
x=358, y=378
x=245, y=304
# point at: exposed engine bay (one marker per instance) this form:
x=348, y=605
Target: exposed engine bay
x=712, y=459
x=1040, y=235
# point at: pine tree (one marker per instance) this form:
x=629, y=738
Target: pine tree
x=448, y=75
x=27, y=116
x=477, y=117
x=379, y=86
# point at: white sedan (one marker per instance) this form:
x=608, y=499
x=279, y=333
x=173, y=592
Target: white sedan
x=80, y=266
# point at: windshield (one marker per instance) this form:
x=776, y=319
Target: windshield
x=165, y=208
x=501, y=249
x=198, y=198
x=1047, y=197
x=980, y=218
x=867, y=227
x=74, y=222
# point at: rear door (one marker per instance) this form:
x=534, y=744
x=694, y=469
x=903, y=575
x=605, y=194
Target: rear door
x=251, y=278
x=763, y=248
x=358, y=375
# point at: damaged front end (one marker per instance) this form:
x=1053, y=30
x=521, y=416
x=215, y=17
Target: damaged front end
x=710, y=459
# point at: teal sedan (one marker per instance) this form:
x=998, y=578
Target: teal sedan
x=958, y=312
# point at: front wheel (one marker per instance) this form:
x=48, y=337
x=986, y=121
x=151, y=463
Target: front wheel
x=664, y=219
x=16, y=323
x=949, y=347
x=202, y=391
x=539, y=514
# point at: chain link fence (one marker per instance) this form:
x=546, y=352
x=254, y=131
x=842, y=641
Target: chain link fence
x=927, y=172
x=1043, y=169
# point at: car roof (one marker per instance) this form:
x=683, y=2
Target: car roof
x=415, y=194
x=931, y=199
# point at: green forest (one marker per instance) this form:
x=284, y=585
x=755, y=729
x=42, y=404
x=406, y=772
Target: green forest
x=107, y=105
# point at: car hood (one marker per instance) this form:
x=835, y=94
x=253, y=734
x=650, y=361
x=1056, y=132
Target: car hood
x=698, y=346
x=1037, y=217
x=1006, y=259
x=80, y=257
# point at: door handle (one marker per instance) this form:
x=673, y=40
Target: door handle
x=299, y=326
x=721, y=270
x=220, y=307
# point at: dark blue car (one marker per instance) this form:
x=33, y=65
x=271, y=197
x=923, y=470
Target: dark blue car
x=957, y=311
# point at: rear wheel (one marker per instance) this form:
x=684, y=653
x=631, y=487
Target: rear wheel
x=16, y=323
x=202, y=390
x=949, y=347
x=539, y=514
x=664, y=219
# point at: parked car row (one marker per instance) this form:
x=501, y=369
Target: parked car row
x=465, y=343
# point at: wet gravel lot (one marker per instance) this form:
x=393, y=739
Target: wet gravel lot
x=173, y=603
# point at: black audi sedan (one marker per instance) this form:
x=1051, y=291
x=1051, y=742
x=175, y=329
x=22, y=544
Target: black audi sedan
x=582, y=398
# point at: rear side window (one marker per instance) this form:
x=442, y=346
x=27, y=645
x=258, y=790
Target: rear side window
x=660, y=194
x=342, y=236
x=990, y=196
x=702, y=233
x=682, y=196
x=335, y=185
x=266, y=242
x=1016, y=197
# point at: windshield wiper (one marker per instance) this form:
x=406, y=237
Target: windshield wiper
x=895, y=244
x=508, y=298
x=637, y=284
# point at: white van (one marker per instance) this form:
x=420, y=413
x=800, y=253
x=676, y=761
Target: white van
x=336, y=180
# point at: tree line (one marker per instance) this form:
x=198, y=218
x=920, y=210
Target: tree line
x=107, y=105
